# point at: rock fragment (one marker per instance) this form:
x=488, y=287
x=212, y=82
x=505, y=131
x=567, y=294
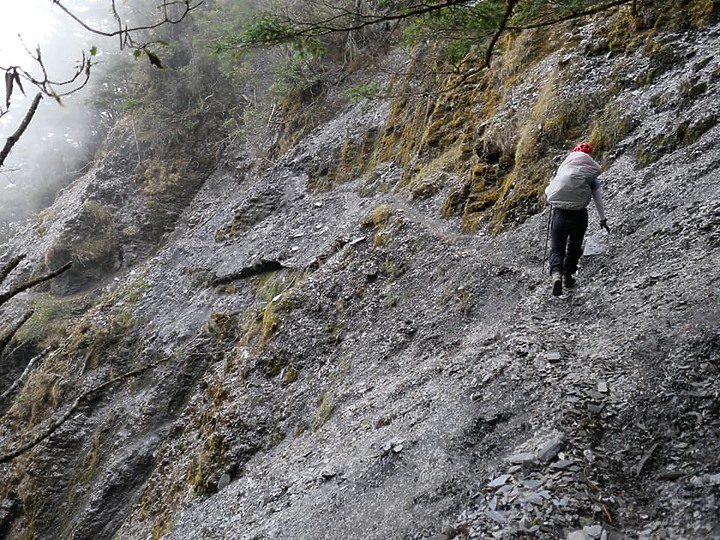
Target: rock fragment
x=551, y=449
x=223, y=482
x=594, y=531
x=523, y=457
x=394, y=444
x=499, y=481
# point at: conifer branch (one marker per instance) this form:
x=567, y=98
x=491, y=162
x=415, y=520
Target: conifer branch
x=574, y=15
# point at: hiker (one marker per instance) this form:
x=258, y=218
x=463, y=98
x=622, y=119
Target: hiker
x=569, y=193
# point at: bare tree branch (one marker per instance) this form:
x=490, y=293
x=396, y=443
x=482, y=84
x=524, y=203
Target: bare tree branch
x=10, y=333
x=28, y=367
x=314, y=29
x=501, y=28
x=81, y=74
x=47, y=85
x=344, y=20
x=10, y=265
x=12, y=139
x=55, y=424
x=125, y=32
x=78, y=80
x=261, y=267
x=32, y=283
x=49, y=430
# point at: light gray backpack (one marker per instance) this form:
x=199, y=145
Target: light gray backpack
x=570, y=188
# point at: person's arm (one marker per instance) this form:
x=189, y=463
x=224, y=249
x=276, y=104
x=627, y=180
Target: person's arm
x=598, y=200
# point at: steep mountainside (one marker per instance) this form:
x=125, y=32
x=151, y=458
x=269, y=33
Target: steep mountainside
x=360, y=342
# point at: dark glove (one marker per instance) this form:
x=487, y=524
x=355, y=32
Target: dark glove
x=604, y=225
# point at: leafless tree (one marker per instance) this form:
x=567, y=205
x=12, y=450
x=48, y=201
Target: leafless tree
x=16, y=79
x=170, y=12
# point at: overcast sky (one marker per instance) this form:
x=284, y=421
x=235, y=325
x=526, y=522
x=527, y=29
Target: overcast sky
x=26, y=25
x=34, y=20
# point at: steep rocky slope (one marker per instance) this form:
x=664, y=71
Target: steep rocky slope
x=310, y=355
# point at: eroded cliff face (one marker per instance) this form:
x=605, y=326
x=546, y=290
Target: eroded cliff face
x=337, y=348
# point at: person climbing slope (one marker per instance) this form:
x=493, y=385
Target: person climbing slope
x=569, y=192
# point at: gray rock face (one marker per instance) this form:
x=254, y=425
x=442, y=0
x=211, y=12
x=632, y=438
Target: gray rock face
x=391, y=380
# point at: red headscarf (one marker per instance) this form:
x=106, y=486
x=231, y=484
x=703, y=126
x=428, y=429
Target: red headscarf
x=583, y=147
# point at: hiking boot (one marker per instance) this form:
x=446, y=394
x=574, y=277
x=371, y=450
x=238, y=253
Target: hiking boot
x=569, y=280
x=556, y=284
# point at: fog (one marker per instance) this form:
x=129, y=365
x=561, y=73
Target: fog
x=62, y=137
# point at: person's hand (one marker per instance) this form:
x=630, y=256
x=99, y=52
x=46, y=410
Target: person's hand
x=604, y=225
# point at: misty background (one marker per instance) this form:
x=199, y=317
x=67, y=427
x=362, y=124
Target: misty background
x=62, y=138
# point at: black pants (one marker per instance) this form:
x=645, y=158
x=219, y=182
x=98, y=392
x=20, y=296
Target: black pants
x=566, y=238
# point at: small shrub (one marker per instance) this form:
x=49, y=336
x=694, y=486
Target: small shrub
x=131, y=103
x=212, y=456
x=163, y=180
x=122, y=322
x=621, y=35
x=424, y=188
x=300, y=428
x=45, y=219
x=334, y=329
x=644, y=157
x=272, y=365
x=693, y=132
x=566, y=119
x=136, y=289
x=99, y=213
x=290, y=374
x=378, y=216
x=380, y=239
x=251, y=326
x=270, y=285
x=51, y=318
x=392, y=269
x=690, y=91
